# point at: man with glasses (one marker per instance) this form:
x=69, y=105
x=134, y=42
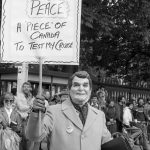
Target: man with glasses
x=72, y=125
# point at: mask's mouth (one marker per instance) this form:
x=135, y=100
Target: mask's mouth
x=80, y=93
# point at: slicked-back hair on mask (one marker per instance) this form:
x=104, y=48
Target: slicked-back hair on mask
x=80, y=74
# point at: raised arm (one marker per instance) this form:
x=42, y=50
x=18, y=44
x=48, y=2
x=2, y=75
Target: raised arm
x=37, y=129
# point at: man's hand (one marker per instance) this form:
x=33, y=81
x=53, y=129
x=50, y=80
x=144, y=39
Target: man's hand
x=39, y=104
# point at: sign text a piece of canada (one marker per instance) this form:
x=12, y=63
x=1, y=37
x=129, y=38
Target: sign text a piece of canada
x=41, y=28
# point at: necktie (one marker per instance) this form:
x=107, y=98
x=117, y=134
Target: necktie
x=83, y=111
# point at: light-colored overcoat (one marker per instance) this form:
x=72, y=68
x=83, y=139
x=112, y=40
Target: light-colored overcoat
x=65, y=130
x=23, y=105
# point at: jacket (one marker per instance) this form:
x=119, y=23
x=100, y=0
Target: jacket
x=23, y=105
x=111, y=113
x=65, y=131
x=15, y=117
x=127, y=116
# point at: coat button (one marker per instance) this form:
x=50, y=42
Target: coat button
x=69, y=129
x=82, y=136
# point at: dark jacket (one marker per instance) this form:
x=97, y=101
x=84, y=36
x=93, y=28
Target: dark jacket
x=111, y=113
x=15, y=117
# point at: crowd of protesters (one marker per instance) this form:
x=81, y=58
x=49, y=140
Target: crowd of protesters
x=130, y=115
x=15, y=110
x=120, y=114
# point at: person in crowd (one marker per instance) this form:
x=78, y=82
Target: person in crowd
x=94, y=101
x=24, y=100
x=128, y=115
x=111, y=114
x=131, y=126
x=135, y=105
x=148, y=126
x=55, y=100
x=24, y=103
x=102, y=96
x=64, y=95
x=9, y=117
x=120, y=106
x=14, y=89
x=140, y=116
x=46, y=93
x=147, y=110
x=147, y=107
x=72, y=125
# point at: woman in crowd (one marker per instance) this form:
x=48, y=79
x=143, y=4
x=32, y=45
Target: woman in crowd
x=9, y=117
x=127, y=115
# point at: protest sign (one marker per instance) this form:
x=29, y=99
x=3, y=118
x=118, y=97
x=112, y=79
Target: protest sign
x=49, y=29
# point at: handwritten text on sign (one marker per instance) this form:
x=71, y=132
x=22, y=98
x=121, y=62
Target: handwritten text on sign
x=55, y=8
x=46, y=28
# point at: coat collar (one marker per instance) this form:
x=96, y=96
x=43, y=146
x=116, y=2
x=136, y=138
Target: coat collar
x=4, y=113
x=69, y=110
x=5, y=116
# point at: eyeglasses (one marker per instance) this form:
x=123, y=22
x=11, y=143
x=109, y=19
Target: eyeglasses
x=6, y=101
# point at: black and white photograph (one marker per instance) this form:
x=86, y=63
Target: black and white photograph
x=75, y=75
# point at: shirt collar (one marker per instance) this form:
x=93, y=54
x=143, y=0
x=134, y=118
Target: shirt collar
x=8, y=110
x=78, y=108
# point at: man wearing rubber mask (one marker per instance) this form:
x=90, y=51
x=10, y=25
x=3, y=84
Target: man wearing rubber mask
x=72, y=125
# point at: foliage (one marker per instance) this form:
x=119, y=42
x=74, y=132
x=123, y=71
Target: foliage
x=117, y=38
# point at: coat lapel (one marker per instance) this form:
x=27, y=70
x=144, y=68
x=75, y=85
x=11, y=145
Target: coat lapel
x=5, y=116
x=92, y=114
x=13, y=115
x=71, y=114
